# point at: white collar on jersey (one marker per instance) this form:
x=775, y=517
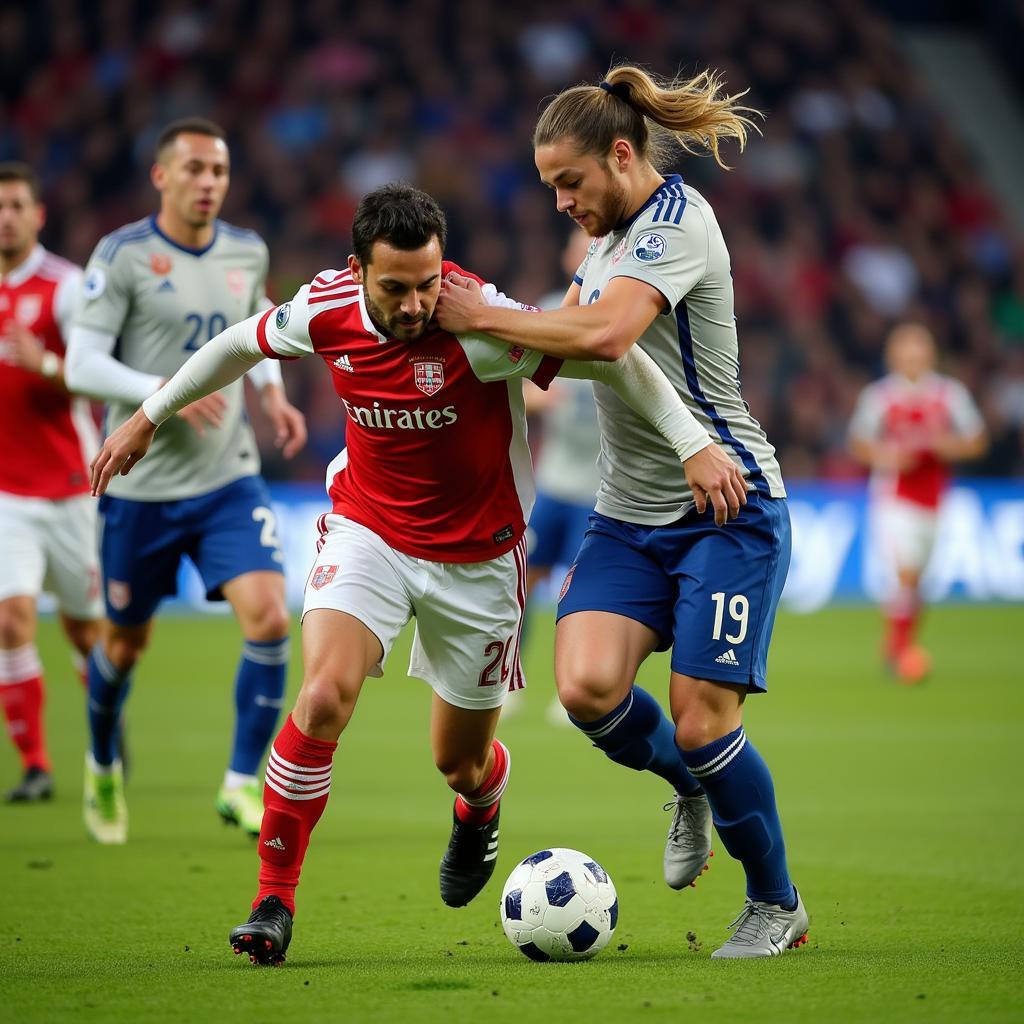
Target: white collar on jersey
x=23, y=271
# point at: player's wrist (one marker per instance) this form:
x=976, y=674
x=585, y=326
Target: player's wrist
x=49, y=365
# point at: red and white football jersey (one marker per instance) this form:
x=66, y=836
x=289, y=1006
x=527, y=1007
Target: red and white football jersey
x=50, y=435
x=911, y=415
x=436, y=459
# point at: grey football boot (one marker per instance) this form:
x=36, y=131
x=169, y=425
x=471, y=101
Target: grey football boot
x=688, y=846
x=765, y=929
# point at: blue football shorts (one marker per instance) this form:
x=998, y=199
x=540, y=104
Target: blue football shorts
x=709, y=592
x=225, y=533
x=556, y=530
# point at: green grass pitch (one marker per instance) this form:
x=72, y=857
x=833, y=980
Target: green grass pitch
x=903, y=811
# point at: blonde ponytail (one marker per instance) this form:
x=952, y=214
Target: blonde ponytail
x=651, y=113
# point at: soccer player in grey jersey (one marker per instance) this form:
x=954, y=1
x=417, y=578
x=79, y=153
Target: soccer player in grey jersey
x=655, y=569
x=154, y=293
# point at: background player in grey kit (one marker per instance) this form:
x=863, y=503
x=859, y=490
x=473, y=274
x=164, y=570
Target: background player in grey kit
x=655, y=570
x=155, y=291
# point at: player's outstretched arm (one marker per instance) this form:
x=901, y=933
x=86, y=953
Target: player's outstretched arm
x=601, y=330
x=220, y=361
x=638, y=380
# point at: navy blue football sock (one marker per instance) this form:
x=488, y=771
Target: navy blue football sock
x=742, y=797
x=638, y=735
x=259, y=694
x=107, y=689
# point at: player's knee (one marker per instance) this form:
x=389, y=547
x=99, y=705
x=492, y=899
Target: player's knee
x=83, y=636
x=323, y=706
x=586, y=695
x=271, y=622
x=15, y=627
x=124, y=652
x=463, y=775
x=699, y=725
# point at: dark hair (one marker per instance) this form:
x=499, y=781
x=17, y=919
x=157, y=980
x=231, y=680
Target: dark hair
x=650, y=112
x=15, y=170
x=188, y=126
x=400, y=215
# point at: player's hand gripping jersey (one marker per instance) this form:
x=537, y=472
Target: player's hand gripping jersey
x=436, y=459
x=674, y=244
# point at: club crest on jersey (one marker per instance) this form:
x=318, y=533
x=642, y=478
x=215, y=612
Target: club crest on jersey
x=649, y=248
x=27, y=311
x=119, y=594
x=428, y=376
x=619, y=251
x=283, y=314
x=322, y=575
x=236, y=282
x=160, y=263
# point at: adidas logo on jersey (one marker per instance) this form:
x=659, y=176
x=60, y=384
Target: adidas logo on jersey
x=344, y=363
x=729, y=658
x=166, y=287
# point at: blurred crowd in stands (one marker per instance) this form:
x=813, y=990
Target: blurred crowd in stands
x=857, y=207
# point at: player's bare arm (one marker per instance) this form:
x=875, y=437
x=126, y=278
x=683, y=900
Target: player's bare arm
x=121, y=450
x=959, y=448
x=713, y=477
x=289, y=424
x=600, y=330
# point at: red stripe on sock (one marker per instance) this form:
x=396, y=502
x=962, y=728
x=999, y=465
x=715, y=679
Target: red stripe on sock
x=288, y=823
x=23, y=708
x=480, y=815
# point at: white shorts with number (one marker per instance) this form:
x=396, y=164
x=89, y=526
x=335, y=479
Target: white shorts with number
x=907, y=531
x=469, y=616
x=52, y=546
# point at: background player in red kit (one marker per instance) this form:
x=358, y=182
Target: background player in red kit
x=47, y=519
x=909, y=427
x=429, y=502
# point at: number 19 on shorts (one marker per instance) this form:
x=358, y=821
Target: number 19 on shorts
x=739, y=615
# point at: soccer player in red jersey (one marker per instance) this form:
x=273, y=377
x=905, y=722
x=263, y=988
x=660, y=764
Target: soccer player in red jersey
x=909, y=428
x=429, y=506
x=47, y=519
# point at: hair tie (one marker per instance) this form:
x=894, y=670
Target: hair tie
x=620, y=89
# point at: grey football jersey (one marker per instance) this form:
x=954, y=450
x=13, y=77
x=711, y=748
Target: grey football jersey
x=674, y=244
x=163, y=301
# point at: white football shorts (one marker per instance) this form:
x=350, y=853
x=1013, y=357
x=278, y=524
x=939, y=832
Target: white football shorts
x=469, y=616
x=907, y=532
x=52, y=546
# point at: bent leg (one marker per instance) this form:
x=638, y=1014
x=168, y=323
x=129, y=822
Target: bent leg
x=338, y=651
x=258, y=600
x=736, y=780
x=597, y=656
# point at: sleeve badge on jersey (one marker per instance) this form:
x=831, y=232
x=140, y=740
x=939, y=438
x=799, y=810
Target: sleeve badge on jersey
x=649, y=248
x=283, y=315
x=95, y=283
x=322, y=576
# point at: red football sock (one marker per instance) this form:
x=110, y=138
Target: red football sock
x=478, y=807
x=298, y=782
x=23, y=694
x=901, y=618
